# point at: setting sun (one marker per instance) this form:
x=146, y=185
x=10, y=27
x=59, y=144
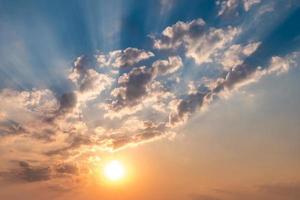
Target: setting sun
x=114, y=170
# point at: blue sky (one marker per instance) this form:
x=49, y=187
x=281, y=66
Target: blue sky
x=53, y=33
x=72, y=29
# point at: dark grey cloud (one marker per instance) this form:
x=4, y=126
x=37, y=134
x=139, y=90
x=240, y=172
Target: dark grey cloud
x=187, y=106
x=67, y=102
x=83, y=63
x=132, y=87
x=67, y=168
x=34, y=171
x=29, y=173
x=10, y=127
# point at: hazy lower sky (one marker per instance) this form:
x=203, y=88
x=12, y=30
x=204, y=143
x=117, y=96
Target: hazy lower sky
x=197, y=99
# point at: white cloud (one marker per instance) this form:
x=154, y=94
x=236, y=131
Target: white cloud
x=123, y=58
x=229, y=7
x=199, y=42
x=169, y=66
x=249, y=3
x=235, y=54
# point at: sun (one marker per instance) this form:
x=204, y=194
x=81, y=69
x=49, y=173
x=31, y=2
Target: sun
x=114, y=170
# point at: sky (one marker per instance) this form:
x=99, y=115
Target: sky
x=198, y=99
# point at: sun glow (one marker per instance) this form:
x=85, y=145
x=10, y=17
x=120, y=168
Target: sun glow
x=114, y=170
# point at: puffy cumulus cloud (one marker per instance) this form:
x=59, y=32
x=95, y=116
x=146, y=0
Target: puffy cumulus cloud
x=88, y=81
x=280, y=65
x=172, y=36
x=184, y=108
x=41, y=103
x=235, y=54
x=24, y=110
x=246, y=73
x=235, y=78
x=200, y=42
x=123, y=58
x=164, y=67
x=132, y=87
x=39, y=115
x=154, y=98
x=203, y=49
x=139, y=90
x=230, y=7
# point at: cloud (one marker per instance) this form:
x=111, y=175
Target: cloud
x=73, y=142
x=237, y=77
x=21, y=108
x=88, y=81
x=67, y=102
x=41, y=103
x=24, y=171
x=10, y=127
x=28, y=173
x=236, y=54
x=140, y=132
x=66, y=168
x=164, y=67
x=249, y=3
x=185, y=107
x=132, y=87
x=230, y=7
x=173, y=36
x=227, y=6
x=200, y=42
x=123, y=58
